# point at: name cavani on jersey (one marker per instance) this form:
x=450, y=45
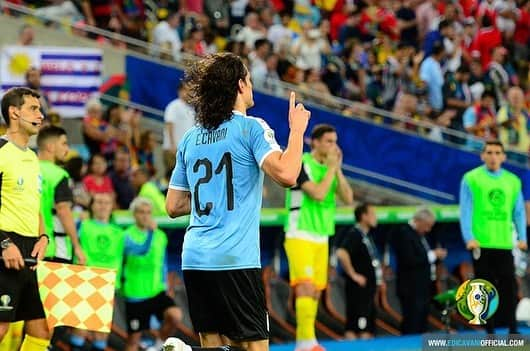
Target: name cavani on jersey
x=211, y=137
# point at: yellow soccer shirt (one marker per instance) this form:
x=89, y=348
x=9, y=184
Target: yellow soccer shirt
x=20, y=189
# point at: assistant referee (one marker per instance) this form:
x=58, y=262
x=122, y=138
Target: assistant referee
x=20, y=221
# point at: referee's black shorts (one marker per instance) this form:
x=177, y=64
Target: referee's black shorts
x=230, y=302
x=19, y=290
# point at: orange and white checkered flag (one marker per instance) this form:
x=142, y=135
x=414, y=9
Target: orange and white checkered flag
x=77, y=296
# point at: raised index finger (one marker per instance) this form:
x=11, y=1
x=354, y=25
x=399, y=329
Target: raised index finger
x=292, y=99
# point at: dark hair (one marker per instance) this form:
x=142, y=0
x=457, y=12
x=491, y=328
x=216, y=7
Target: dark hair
x=214, y=84
x=91, y=161
x=15, y=97
x=444, y=24
x=260, y=42
x=495, y=142
x=486, y=21
x=463, y=68
x=437, y=48
x=488, y=93
x=48, y=133
x=31, y=69
x=361, y=210
x=74, y=167
x=320, y=129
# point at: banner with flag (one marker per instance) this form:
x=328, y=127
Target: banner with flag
x=77, y=296
x=69, y=76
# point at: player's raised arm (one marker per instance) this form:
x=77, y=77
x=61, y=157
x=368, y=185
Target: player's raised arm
x=284, y=167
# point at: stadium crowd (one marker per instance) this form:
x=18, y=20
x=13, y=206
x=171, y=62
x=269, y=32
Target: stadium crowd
x=457, y=64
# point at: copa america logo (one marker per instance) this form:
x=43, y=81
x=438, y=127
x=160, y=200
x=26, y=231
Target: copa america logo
x=477, y=300
x=4, y=303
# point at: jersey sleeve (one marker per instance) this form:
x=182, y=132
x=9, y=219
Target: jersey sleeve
x=302, y=177
x=263, y=141
x=63, y=193
x=178, y=180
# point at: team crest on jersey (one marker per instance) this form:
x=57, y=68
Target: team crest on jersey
x=20, y=184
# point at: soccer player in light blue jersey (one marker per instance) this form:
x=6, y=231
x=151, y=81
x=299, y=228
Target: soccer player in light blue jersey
x=218, y=180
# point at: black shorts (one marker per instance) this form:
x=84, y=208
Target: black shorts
x=19, y=290
x=360, y=307
x=139, y=313
x=230, y=302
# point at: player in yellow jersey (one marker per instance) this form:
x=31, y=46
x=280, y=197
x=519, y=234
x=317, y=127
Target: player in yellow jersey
x=20, y=220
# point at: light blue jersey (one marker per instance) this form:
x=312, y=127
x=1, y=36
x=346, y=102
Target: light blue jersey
x=222, y=170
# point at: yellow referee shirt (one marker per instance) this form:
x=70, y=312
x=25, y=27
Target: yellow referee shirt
x=20, y=189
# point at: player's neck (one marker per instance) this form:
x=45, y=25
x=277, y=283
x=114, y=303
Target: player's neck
x=18, y=137
x=46, y=156
x=240, y=106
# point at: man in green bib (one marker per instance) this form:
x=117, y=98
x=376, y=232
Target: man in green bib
x=491, y=203
x=144, y=277
x=311, y=221
x=57, y=197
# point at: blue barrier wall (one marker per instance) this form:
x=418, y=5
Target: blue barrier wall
x=372, y=152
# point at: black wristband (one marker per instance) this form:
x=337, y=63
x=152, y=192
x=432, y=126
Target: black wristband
x=44, y=235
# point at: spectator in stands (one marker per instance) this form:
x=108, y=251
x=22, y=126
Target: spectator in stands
x=280, y=33
x=457, y=94
x=103, y=244
x=514, y=125
x=26, y=35
x=258, y=67
x=309, y=47
x=120, y=175
x=270, y=82
x=98, y=135
x=521, y=36
x=59, y=10
x=487, y=38
x=432, y=75
x=218, y=13
x=146, y=151
x=145, y=188
x=361, y=263
x=311, y=204
x=144, y=278
x=166, y=36
x=491, y=202
x=426, y=13
x=407, y=23
x=98, y=13
x=131, y=14
x=97, y=181
x=194, y=43
x=179, y=117
x=498, y=79
x=415, y=270
x=480, y=120
x=252, y=31
x=33, y=81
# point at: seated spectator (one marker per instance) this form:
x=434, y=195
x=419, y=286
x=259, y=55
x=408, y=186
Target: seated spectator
x=26, y=35
x=59, y=10
x=432, y=75
x=120, y=175
x=165, y=35
x=194, y=43
x=252, y=31
x=145, y=151
x=99, y=137
x=97, y=181
x=514, y=121
x=33, y=81
x=258, y=67
x=131, y=14
x=146, y=188
x=497, y=78
x=480, y=120
x=309, y=47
